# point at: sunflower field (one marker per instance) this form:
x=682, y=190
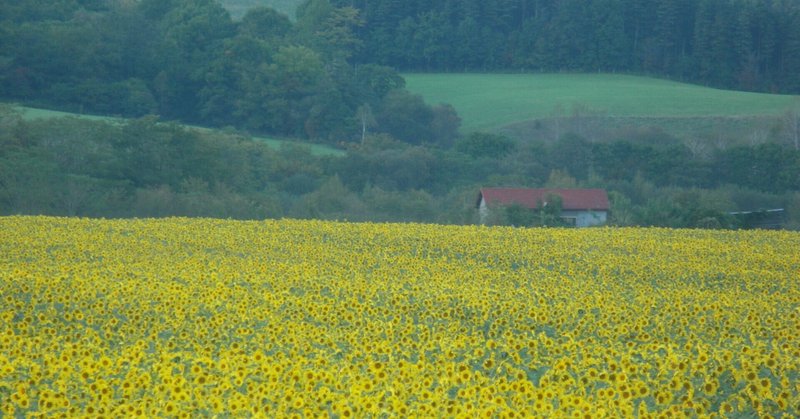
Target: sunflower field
x=200, y=317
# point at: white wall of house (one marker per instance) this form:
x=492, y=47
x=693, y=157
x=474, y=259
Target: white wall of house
x=580, y=218
x=483, y=211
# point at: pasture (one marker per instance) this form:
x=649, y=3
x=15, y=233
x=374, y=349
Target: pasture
x=238, y=8
x=30, y=114
x=201, y=317
x=492, y=101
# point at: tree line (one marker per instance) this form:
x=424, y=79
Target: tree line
x=189, y=61
x=146, y=168
x=741, y=44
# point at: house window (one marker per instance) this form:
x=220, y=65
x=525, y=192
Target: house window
x=570, y=221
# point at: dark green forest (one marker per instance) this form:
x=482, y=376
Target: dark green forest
x=740, y=44
x=324, y=75
x=189, y=61
x=321, y=78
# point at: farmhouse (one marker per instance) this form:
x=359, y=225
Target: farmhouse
x=580, y=207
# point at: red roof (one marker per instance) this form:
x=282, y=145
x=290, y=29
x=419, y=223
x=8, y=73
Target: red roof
x=572, y=199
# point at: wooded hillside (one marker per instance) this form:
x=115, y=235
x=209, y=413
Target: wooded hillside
x=190, y=61
x=330, y=77
x=741, y=44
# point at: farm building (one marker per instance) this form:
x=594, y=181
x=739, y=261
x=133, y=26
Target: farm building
x=579, y=207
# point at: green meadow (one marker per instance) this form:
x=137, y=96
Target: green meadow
x=492, y=101
x=30, y=114
x=515, y=103
x=238, y=8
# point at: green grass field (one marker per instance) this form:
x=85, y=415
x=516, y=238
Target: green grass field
x=237, y=8
x=315, y=149
x=513, y=103
x=491, y=101
x=29, y=113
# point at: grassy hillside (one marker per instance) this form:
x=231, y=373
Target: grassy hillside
x=238, y=8
x=29, y=113
x=491, y=101
x=35, y=113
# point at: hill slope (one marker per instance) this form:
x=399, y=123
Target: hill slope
x=492, y=101
x=29, y=113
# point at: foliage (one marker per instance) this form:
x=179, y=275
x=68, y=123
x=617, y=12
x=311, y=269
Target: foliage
x=190, y=61
x=742, y=44
x=486, y=145
x=141, y=167
x=547, y=214
x=206, y=317
x=517, y=215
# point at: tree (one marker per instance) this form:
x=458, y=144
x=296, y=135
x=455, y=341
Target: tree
x=337, y=34
x=311, y=16
x=561, y=179
x=265, y=23
x=621, y=209
x=376, y=81
x=573, y=154
x=366, y=118
x=405, y=116
x=279, y=96
x=445, y=125
x=550, y=210
x=766, y=167
x=430, y=38
x=469, y=50
x=485, y=145
x=518, y=215
x=610, y=42
x=791, y=125
x=332, y=200
x=192, y=32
